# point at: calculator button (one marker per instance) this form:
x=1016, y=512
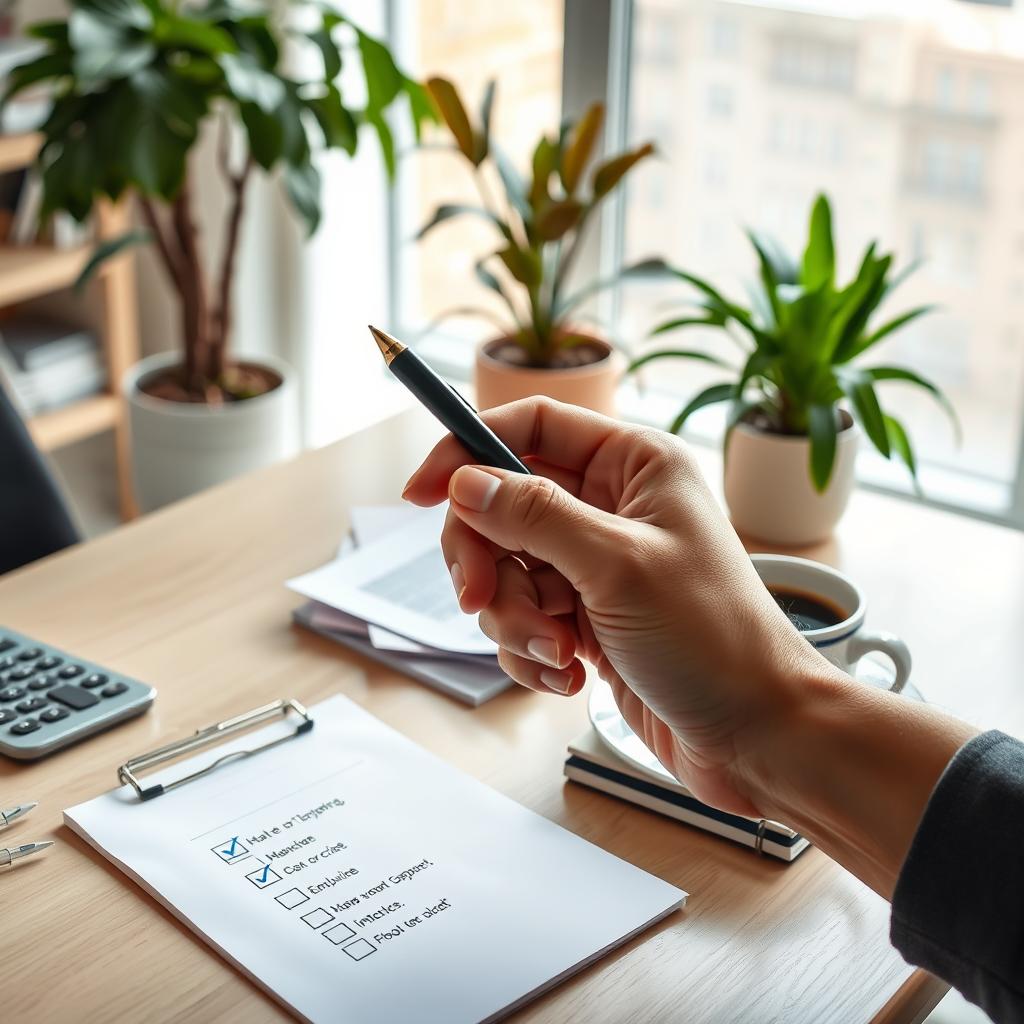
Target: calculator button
x=43, y=682
x=94, y=680
x=21, y=673
x=114, y=689
x=70, y=671
x=74, y=697
x=54, y=714
x=30, y=654
x=24, y=727
x=6, y=644
x=11, y=693
x=50, y=661
x=6, y=715
x=32, y=704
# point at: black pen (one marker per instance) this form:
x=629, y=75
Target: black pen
x=440, y=398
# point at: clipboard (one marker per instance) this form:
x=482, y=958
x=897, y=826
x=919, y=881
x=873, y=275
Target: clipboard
x=207, y=736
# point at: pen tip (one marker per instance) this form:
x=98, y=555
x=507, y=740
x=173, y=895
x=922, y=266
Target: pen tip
x=389, y=347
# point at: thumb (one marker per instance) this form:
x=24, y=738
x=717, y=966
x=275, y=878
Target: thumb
x=535, y=515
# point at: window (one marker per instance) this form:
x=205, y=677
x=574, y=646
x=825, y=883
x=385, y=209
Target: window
x=934, y=190
x=520, y=47
x=907, y=121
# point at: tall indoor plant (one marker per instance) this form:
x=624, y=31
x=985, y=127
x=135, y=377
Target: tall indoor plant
x=540, y=224
x=799, y=392
x=134, y=82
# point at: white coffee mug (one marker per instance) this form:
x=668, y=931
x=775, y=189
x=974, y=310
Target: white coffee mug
x=845, y=643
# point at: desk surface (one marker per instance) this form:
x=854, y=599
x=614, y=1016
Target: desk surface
x=191, y=600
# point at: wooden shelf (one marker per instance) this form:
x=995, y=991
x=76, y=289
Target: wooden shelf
x=81, y=419
x=17, y=151
x=29, y=271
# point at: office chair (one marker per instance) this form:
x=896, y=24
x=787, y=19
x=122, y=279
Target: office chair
x=34, y=520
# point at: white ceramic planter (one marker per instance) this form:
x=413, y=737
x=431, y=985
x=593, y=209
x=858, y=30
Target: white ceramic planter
x=179, y=448
x=768, y=486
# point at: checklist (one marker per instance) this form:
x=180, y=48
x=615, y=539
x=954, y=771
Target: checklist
x=356, y=877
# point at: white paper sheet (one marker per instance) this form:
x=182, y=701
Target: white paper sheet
x=399, y=582
x=358, y=878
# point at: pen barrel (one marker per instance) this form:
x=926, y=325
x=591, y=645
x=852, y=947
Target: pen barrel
x=454, y=412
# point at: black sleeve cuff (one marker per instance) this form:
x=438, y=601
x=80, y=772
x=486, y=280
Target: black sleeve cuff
x=958, y=908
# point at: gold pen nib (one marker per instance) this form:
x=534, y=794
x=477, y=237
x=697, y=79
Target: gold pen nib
x=389, y=347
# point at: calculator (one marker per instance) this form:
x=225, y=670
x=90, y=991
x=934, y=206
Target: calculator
x=50, y=699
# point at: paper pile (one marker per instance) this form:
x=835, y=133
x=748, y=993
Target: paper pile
x=388, y=595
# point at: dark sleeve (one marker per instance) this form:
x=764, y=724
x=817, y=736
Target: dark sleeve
x=34, y=520
x=958, y=908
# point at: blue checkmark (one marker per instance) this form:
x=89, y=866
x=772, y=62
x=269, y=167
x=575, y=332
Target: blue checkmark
x=266, y=872
x=230, y=851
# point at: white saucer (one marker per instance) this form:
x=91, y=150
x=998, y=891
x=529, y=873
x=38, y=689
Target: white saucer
x=617, y=735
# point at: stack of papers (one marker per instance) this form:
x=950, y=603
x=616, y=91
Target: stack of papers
x=388, y=595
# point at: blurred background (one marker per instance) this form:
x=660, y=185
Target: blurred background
x=908, y=115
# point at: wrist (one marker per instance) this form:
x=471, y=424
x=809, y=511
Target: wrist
x=852, y=768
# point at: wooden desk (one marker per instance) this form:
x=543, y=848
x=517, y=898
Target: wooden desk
x=191, y=599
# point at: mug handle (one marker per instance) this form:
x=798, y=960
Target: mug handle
x=888, y=644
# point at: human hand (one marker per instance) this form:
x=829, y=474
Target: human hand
x=616, y=553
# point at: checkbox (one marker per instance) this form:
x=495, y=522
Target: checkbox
x=338, y=934
x=360, y=949
x=263, y=877
x=318, y=918
x=231, y=849
x=292, y=899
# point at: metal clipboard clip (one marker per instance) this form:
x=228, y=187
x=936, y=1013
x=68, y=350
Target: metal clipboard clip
x=207, y=736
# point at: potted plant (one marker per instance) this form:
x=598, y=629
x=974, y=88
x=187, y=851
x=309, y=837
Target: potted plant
x=542, y=348
x=134, y=82
x=800, y=392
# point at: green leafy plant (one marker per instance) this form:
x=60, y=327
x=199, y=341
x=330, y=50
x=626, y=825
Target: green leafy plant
x=799, y=341
x=133, y=82
x=540, y=221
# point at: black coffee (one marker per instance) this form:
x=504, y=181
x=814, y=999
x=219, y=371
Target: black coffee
x=806, y=611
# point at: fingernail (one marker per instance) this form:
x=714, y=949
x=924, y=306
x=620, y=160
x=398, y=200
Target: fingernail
x=543, y=649
x=474, y=488
x=458, y=579
x=560, y=681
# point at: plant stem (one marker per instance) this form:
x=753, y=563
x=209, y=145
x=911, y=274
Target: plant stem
x=222, y=320
x=194, y=298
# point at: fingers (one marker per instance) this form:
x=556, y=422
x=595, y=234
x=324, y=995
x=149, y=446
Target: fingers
x=471, y=562
x=534, y=515
x=516, y=622
x=565, y=682
x=562, y=435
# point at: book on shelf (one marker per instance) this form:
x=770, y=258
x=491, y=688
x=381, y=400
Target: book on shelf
x=47, y=364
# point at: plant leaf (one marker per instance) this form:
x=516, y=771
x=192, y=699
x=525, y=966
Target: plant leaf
x=709, y=396
x=302, y=183
x=488, y=280
x=383, y=79
x=449, y=210
x=513, y=184
x=107, y=250
x=447, y=99
x=677, y=353
x=545, y=159
x=335, y=120
x=859, y=386
x=900, y=444
x=482, y=139
x=557, y=218
x=888, y=328
x=608, y=174
x=879, y=373
x=329, y=51
x=580, y=147
x=712, y=320
x=653, y=268
x=821, y=428
x=249, y=83
x=819, y=267
x=522, y=264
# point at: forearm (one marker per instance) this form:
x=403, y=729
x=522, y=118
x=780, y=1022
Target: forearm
x=852, y=768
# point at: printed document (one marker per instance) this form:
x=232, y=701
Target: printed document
x=358, y=878
x=399, y=581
